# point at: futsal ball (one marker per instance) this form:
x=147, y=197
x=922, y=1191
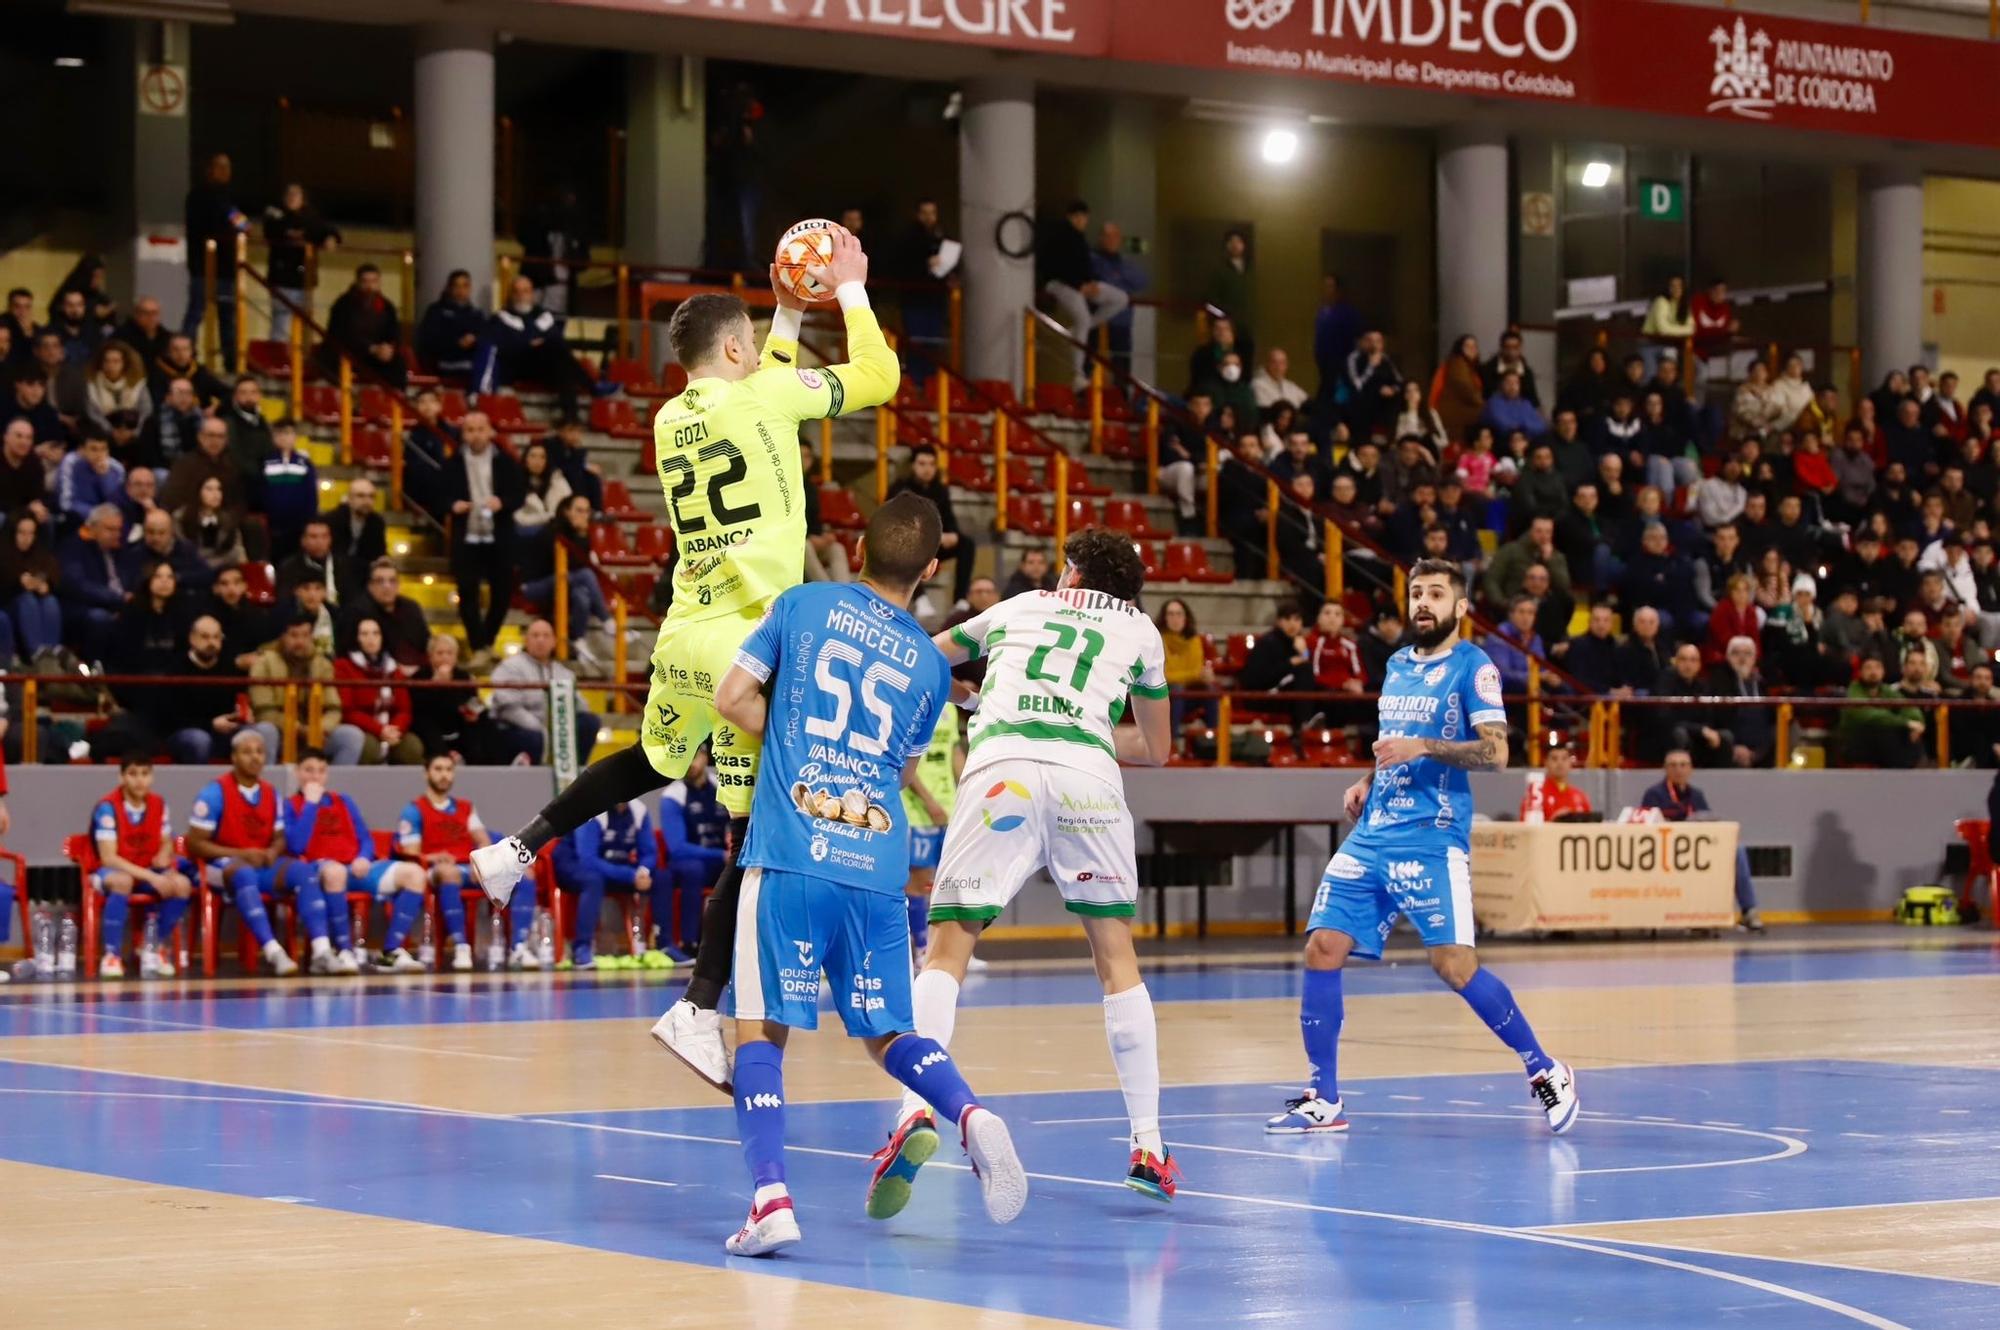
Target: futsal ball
x=807, y=244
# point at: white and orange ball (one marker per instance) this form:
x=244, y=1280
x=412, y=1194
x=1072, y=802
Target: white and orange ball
x=807, y=244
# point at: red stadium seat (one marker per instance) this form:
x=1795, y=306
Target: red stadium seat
x=654, y=541
x=1131, y=517
x=994, y=392
x=451, y=404
x=1082, y=513
x=1149, y=555
x=968, y=472
x=371, y=446
x=371, y=402
x=618, y=503
x=1029, y=515
x=1188, y=562
x=1056, y=399
x=1975, y=833
x=319, y=403
x=1079, y=479
x=261, y=581
x=838, y=509
x=1119, y=442
x=273, y=360
x=1237, y=653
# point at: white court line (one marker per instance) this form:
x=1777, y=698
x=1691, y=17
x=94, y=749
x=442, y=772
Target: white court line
x=1795, y=1210
x=643, y=1182
x=1455, y=1225
x=1785, y=1260
x=297, y=1036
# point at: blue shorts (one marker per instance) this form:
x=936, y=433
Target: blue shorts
x=268, y=882
x=185, y=867
x=373, y=881
x=926, y=846
x=1368, y=884
x=790, y=926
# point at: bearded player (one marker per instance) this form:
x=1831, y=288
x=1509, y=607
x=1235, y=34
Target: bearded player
x=728, y=450
x=1441, y=717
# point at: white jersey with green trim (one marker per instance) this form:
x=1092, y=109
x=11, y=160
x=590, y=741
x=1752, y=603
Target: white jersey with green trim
x=1059, y=666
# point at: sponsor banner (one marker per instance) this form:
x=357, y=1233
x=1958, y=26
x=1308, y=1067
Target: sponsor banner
x=561, y=742
x=1640, y=55
x=1568, y=877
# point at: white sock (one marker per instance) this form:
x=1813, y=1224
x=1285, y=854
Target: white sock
x=934, y=1002
x=321, y=947
x=767, y=1193
x=1135, y=1051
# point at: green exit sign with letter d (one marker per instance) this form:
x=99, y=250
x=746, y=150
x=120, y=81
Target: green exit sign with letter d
x=1660, y=200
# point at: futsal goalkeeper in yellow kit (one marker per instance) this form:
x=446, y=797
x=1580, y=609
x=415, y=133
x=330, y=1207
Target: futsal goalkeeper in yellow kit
x=728, y=459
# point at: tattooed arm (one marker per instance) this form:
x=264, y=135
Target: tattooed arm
x=1487, y=752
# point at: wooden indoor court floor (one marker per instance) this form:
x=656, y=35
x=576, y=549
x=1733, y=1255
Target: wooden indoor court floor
x=1799, y=1131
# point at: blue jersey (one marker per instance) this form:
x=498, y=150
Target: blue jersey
x=1442, y=697
x=855, y=688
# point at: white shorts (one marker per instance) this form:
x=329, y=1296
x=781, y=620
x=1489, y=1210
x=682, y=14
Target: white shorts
x=1014, y=817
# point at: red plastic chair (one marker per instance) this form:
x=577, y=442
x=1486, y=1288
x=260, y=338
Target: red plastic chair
x=1029, y=515
x=372, y=403
x=371, y=446
x=1056, y=399
x=319, y=403
x=21, y=901
x=262, y=583
x=1080, y=482
x=618, y=503
x=1082, y=513
x=1975, y=832
x=1131, y=517
x=1188, y=562
x=967, y=472
x=654, y=541
x=273, y=360
x=451, y=405
x=838, y=509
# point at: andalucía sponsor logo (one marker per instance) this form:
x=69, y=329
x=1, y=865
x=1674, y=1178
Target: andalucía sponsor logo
x=1006, y=821
x=1755, y=75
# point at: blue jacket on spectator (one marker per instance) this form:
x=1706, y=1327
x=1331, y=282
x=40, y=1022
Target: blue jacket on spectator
x=190, y=569
x=444, y=323
x=288, y=490
x=617, y=846
x=1510, y=656
x=1507, y=415
x=79, y=487
x=1121, y=271
x=88, y=574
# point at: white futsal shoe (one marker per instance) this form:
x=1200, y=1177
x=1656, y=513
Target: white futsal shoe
x=769, y=1227
x=499, y=867
x=523, y=957
x=695, y=1037
x=1555, y=1090
x=1003, y=1183
x=1307, y=1113
x=279, y=960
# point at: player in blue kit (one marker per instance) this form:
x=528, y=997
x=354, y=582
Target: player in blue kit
x=854, y=692
x=1441, y=717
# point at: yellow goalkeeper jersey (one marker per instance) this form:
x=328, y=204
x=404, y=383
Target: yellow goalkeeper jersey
x=728, y=455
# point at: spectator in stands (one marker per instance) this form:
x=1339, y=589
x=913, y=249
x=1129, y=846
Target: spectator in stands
x=1372, y=388
x=1657, y=575
x=286, y=484
x=696, y=829
x=1907, y=443
x=925, y=295
x=1643, y=656
x=245, y=627
x=1593, y=654
x=1032, y=573
x=1335, y=657
x=956, y=543
x=555, y=244
x=28, y=579
x=1589, y=391
x=1697, y=729
x=1824, y=415
x=1665, y=448
x=1791, y=393
x=159, y=543
x=70, y=321
x=1279, y=660
x=31, y=404
x=1536, y=544
x=211, y=528
x=294, y=659
x=1419, y=419
x=250, y=434
x=171, y=431
x=201, y=719
x=66, y=381
x=1842, y=630
x=1299, y=535
x=589, y=615
x=1713, y=314
x=1752, y=729
x=526, y=341
x=1553, y=609
x=212, y=214
x=1301, y=459
x=1585, y=539
x=115, y=381
x=1232, y=287
x=1854, y=478
x=19, y=322
x=1574, y=461
x=1383, y=639
x=1336, y=327
x=1975, y=731
x=372, y=696
x=1553, y=798
x=1508, y=410
x=1667, y=321
x=22, y=485
x=614, y=849
x=1419, y=511
x=1540, y=490
x=149, y=636
x=826, y=557
x=1204, y=364
x=1512, y=644
x=88, y=477
x=483, y=488
x=179, y=363
x=291, y=227
x=452, y=720
x=1509, y=360
x=363, y=326
x=545, y=491
x=427, y=453
x=359, y=535
x=1063, y=267
x=1678, y=800
x=1183, y=451
x=314, y=555
x=1230, y=390
x=523, y=713
x=405, y=634
x=1880, y=736
x=210, y=459
x=1187, y=663
x=440, y=831
x=1458, y=389
x=448, y=336
x=308, y=597
x=1272, y=384
x=1755, y=412
x=1736, y=615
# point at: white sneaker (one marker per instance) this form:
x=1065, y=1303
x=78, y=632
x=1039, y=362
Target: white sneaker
x=695, y=1037
x=974, y=965
x=1003, y=1183
x=461, y=958
x=766, y=1230
x=499, y=867
x=400, y=961
x=1307, y=1113
x=523, y=957
x=1555, y=1090
x=346, y=962
x=280, y=962
x=112, y=966
x=155, y=965
x=322, y=961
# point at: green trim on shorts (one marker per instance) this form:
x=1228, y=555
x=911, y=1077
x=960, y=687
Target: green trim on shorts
x=1096, y=911
x=966, y=914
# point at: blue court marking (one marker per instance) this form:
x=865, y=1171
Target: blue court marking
x=1421, y=1216
x=132, y=1008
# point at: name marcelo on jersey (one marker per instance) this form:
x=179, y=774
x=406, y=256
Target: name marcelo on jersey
x=894, y=644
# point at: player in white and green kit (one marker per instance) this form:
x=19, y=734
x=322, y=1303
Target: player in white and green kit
x=927, y=802
x=1042, y=789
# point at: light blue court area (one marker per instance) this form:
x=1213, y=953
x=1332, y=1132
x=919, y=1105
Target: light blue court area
x=133, y=1008
x=1422, y=1217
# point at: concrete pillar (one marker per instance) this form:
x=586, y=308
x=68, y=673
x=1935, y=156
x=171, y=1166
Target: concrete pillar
x=1472, y=221
x=153, y=135
x=1891, y=271
x=665, y=158
x=996, y=177
x=1121, y=182
x=454, y=128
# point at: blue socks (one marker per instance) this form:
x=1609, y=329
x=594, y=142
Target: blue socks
x=920, y=919
x=1321, y=1011
x=521, y=910
x=169, y=913
x=339, y=926
x=1495, y=1004
x=451, y=906
x=402, y=915
x=250, y=904
x=760, y=1110
x=6, y=910
x=311, y=903
x=113, y=922
x=928, y=1072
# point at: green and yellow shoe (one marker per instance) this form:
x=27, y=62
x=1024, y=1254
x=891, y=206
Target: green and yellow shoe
x=909, y=1148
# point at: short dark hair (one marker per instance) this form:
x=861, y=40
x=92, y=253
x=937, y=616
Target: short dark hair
x=1444, y=568
x=319, y=520
x=138, y=757
x=1287, y=609
x=284, y=422
x=1106, y=561
x=242, y=379
x=299, y=618
x=1076, y=206
x=901, y=540
x=312, y=755
x=18, y=292
x=699, y=324
x=365, y=269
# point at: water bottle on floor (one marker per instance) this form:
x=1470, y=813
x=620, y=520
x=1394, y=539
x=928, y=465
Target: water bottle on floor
x=149, y=949
x=496, y=941
x=636, y=942
x=66, y=938
x=427, y=952
x=45, y=942
x=545, y=939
